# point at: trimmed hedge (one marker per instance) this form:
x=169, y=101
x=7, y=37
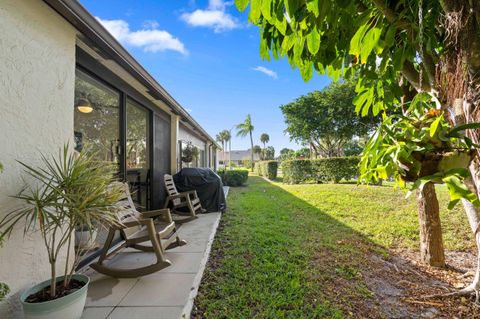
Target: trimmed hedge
x=332, y=169
x=267, y=169
x=236, y=177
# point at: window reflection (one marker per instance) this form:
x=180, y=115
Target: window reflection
x=100, y=127
x=137, y=153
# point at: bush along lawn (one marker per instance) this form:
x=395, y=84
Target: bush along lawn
x=267, y=169
x=327, y=251
x=236, y=177
x=331, y=169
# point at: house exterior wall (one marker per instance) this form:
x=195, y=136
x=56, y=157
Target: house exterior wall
x=185, y=134
x=37, y=68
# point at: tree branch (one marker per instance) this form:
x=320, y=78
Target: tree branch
x=409, y=71
x=412, y=76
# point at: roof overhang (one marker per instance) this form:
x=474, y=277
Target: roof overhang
x=91, y=28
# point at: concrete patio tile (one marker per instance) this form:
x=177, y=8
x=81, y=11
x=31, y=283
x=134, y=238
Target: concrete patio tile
x=146, y=313
x=192, y=246
x=168, y=293
x=203, y=220
x=183, y=262
x=202, y=228
x=96, y=313
x=160, y=289
x=127, y=259
x=107, y=291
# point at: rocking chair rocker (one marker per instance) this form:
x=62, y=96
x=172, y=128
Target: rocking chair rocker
x=135, y=228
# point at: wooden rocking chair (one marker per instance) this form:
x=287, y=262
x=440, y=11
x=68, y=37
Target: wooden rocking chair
x=178, y=200
x=135, y=228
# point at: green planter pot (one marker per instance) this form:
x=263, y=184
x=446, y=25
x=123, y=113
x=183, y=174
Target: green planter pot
x=67, y=307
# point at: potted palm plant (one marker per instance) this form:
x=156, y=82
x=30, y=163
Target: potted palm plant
x=65, y=191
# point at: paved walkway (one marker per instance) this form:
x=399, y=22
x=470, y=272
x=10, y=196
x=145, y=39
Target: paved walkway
x=167, y=294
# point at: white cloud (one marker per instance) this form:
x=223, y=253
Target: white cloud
x=215, y=17
x=149, y=38
x=266, y=71
x=150, y=24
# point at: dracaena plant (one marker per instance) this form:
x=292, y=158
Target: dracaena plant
x=62, y=192
x=421, y=146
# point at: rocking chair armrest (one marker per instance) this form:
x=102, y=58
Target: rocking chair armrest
x=172, y=197
x=137, y=222
x=158, y=212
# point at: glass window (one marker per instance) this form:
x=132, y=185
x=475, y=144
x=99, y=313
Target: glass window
x=96, y=118
x=137, y=136
x=137, y=153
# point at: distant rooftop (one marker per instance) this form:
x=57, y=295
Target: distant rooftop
x=238, y=155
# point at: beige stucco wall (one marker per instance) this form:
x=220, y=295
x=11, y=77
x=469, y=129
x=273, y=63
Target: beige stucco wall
x=37, y=68
x=186, y=135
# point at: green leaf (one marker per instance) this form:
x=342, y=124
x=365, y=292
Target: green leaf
x=434, y=126
x=369, y=42
x=307, y=71
x=281, y=26
x=313, y=41
x=355, y=42
x=459, y=190
x=380, y=91
x=287, y=43
x=264, y=52
x=266, y=9
x=377, y=107
x=255, y=10
x=241, y=4
x=390, y=35
x=292, y=6
x=464, y=127
x=313, y=7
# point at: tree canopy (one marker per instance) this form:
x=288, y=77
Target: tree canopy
x=326, y=119
x=420, y=55
x=386, y=43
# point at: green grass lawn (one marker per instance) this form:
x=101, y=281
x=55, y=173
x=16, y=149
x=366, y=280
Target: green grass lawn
x=297, y=251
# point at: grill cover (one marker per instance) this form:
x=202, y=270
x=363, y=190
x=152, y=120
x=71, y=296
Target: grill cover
x=208, y=185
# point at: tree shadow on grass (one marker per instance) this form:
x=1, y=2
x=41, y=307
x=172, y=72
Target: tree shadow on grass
x=277, y=256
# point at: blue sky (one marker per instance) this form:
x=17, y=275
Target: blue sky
x=207, y=56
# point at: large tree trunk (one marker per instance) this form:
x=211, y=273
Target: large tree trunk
x=431, y=242
x=473, y=216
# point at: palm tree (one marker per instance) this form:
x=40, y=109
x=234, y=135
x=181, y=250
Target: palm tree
x=244, y=129
x=220, y=137
x=264, y=138
x=257, y=150
x=228, y=140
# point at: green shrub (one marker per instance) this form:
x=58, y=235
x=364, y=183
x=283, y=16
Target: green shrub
x=236, y=177
x=332, y=169
x=267, y=169
x=296, y=171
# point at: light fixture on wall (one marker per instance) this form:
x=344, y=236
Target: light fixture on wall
x=84, y=106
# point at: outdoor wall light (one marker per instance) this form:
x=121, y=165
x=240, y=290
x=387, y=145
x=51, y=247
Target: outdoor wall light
x=84, y=106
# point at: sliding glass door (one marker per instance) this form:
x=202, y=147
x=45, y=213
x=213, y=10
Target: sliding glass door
x=138, y=152
x=99, y=112
x=96, y=118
